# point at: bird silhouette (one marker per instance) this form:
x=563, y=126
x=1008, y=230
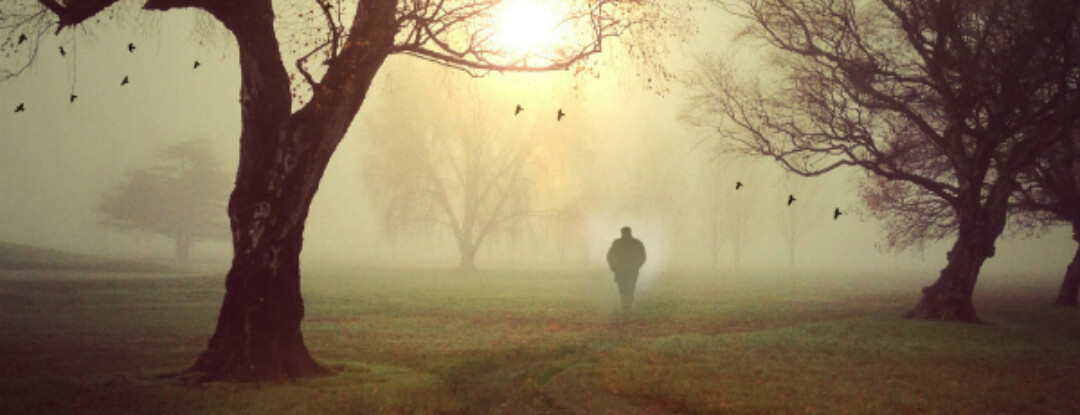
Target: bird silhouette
x=131, y=47
x=518, y=110
x=73, y=97
x=197, y=64
x=836, y=213
x=790, y=199
x=22, y=38
x=125, y=81
x=738, y=185
x=20, y=108
x=559, y=115
x=62, y=52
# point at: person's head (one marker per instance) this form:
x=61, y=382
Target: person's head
x=626, y=232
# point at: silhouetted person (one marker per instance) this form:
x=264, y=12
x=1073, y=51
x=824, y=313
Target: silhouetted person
x=625, y=258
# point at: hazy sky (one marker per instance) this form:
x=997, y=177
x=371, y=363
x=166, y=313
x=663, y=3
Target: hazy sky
x=649, y=170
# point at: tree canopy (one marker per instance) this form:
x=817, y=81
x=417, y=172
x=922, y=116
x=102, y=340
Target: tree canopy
x=181, y=198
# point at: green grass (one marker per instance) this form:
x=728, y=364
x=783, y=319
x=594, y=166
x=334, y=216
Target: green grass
x=521, y=342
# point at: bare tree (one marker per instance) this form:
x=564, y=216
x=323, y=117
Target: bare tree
x=797, y=219
x=734, y=190
x=181, y=198
x=952, y=98
x=293, y=119
x=717, y=221
x=478, y=178
x=1050, y=194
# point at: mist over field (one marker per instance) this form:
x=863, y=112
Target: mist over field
x=625, y=159
x=539, y=206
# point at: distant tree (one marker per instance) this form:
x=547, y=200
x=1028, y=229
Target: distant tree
x=944, y=100
x=181, y=198
x=1049, y=194
x=294, y=117
x=797, y=219
x=476, y=178
x=717, y=220
x=740, y=210
x=568, y=225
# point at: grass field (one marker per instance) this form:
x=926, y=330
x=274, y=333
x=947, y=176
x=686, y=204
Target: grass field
x=521, y=342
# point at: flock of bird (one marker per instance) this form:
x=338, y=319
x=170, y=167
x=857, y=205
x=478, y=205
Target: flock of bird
x=738, y=184
x=63, y=53
x=791, y=199
x=558, y=115
x=517, y=110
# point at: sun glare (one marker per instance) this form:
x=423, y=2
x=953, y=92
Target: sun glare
x=524, y=25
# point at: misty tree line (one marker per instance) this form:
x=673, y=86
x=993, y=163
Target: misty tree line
x=953, y=108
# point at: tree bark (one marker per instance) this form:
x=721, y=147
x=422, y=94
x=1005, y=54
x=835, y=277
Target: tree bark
x=1070, y=286
x=949, y=298
x=283, y=156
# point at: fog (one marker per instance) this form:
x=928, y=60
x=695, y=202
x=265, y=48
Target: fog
x=627, y=159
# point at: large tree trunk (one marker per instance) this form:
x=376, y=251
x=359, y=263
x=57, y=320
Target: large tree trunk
x=949, y=298
x=283, y=156
x=258, y=332
x=1070, y=286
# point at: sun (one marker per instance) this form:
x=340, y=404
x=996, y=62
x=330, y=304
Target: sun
x=525, y=25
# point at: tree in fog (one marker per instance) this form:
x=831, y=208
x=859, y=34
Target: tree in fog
x=731, y=211
x=293, y=117
x=947, y=101
x=716, y=219
x=478, y=178
x=1049, y=194
x=796, y=220
x=181, y=198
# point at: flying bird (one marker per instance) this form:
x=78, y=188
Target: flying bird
x=197, y=64
x=518, y=109
x=62, y=52
x=125, y=81
x=790, y=199
x=73, y=97
x=131, y=47
x=22, y=38
x=20, y=108
x=560, y=115
x=738, y=185
x=836, y=213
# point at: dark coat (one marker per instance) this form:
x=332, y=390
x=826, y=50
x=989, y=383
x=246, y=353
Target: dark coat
x=626, y=256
